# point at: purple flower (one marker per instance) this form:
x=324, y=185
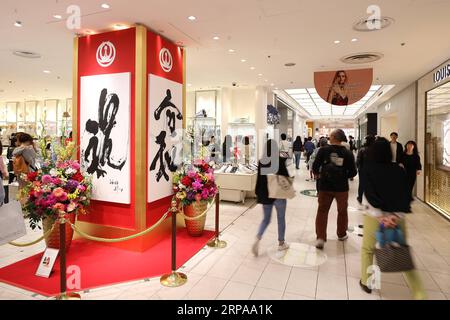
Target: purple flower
x=71, y=185
x=197, y=185
x=191, y=195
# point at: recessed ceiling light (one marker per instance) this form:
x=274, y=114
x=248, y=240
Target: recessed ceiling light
x=57, y=16
x=289, y=64
x=266, y=80
x=354, y=40
x=47, y=71
x=119, y=26
x=272, y=84
x=243, y=60
x=216, y=38
x=337, y=41
x=106, y=6
x=260, y=74
x=18, y=24
x=252, y=68
x=231, y=51
x=192, y=18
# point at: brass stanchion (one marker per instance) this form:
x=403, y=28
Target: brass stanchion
x=64, y=295
x=174, y=279
x=216, y=242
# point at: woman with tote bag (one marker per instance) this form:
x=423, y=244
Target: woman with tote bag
x=266, y=173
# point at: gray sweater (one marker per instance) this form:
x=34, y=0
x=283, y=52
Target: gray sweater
x=28, y=154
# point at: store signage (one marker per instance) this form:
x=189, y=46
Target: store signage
x=46, y=265
x=165, y=59
x=442, y=74
x=343, y=87
x=106, y=53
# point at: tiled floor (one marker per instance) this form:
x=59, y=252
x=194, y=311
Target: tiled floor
x=233, y=272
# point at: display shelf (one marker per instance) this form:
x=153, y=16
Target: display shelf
x=235, y=186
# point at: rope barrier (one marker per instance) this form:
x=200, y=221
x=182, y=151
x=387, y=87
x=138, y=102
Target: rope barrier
x=98, y=239
x=28, y=244
x=199, y=216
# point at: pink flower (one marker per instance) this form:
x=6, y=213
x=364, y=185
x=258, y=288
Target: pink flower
x=59, y=207
x=198, y=197
x=197, y=185
x=46, y=179
x=62, y=165
x=192, y=174
x=75, y=165
x=205, y=194
x=72, y=206
x=56, y=181
x=81, y=187
x=210, y=176
x=60, y=194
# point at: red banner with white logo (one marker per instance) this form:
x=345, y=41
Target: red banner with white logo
x=106, y=90
x=165, y=107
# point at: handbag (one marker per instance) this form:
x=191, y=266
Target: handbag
x=393, y=258
x=280, y=187
x=12, y=223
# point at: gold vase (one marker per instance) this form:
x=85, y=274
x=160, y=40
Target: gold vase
x=52, y=240
x=195, y=227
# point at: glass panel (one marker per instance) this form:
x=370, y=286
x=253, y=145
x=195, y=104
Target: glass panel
x=437, y=160
x=206, y=100
x=11, y=112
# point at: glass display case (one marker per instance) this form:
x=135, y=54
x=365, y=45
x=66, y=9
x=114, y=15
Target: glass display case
x=246, y=149
x=199, y=131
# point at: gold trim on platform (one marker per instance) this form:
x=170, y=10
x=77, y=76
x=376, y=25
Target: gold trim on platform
x=141, y=129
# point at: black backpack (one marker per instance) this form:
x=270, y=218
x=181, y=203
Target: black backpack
x=332, y=171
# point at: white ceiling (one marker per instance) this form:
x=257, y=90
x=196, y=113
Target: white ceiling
x=296, y=31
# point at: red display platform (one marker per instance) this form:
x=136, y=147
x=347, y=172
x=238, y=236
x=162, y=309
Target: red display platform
x=104, y=265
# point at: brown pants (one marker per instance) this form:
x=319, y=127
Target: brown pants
x=325, y=200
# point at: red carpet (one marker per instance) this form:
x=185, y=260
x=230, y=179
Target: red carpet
x=103, y=265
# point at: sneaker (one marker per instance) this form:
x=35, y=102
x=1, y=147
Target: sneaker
x=283, y=246
x=365, y=288
x=255, y=248
x=343, y=238
x=320, y=243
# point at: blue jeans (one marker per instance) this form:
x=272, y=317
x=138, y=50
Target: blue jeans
x=280, y=206
x=297, y=155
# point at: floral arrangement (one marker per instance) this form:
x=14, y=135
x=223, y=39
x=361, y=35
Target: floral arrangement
x=57, y=186
x=195, y=183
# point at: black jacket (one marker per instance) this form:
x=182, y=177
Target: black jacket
x=261, y=190
x=411, y=163
x=361, y=158
x=386, y=187
x=297, y=146
x=348, y=168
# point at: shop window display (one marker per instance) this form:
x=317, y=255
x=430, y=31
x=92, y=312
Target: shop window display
x=437, y=153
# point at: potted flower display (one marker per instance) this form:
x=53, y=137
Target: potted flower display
x=195, y=188
x=56, y=187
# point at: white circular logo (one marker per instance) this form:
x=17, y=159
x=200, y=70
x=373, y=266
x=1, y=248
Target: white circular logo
x=106, y=53
x=165, y=60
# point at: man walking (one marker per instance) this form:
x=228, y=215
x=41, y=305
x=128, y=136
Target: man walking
x=334, y=165
x=396, y=148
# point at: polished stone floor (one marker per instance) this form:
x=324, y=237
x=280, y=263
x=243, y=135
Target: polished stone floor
x=234, y=273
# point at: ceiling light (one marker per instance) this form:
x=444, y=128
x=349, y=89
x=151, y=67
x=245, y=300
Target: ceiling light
x=266, y=80
x=354, y=40
x=243, y=60
x=252, y=68
x=260, y=74
x=272, y=84
x=192, y=18
x=119, y=26
x=231, y=51
x=57, y=16
x=289, y=64
x=337, y=42
x=47, y=71
x=106, y=6
x=18, y=24
x=216, y=38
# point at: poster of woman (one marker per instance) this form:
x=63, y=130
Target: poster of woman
x=343, y=87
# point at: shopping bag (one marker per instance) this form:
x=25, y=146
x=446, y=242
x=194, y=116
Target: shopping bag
x=280, y=187
x=12, y=223
x=393, y=258
x=290, y=168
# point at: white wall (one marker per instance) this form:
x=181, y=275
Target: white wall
x=403, y=104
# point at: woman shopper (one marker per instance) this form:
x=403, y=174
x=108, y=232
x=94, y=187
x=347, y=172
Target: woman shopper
x=413, y=167
x=386, y=193
x=322, y=143
x=297, y=147
x=262, y=193
x=25, y=151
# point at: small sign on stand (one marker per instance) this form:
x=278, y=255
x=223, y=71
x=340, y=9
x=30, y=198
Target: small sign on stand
x=46, y=265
